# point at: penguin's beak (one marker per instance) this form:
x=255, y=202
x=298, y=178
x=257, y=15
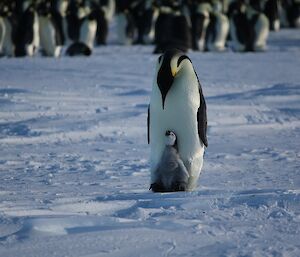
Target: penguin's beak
x=174, y=71
x=174, y=68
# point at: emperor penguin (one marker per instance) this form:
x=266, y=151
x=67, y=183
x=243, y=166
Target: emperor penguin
x=104, y=10
x=249, y=27
x=217, y=30
x=125, y=24
x=50, y=36
x=60, y=15
x=259, y=29
x=28, y=40
x=271, y=9
x=87, y=31
x=171, y=173
x=172, y=27
x=177, y=104
x=200, y=19
x=9, y=22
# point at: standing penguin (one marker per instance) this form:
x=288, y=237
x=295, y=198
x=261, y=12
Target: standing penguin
x=249, y=27
x=9, y=28
x=200, y=19
x=103, y=10
x=50, y=35
x=28, y=40
x=85, y=32
x=172, y=27
x=177, y=104
x=171, y=172
x=125, y=22
x=218, y=29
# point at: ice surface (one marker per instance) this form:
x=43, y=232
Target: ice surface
x=74, y=162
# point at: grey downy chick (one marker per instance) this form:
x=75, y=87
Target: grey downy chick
x=171, y=173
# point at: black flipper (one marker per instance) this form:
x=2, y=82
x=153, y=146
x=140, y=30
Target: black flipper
x=148, y=125
x=202, y=119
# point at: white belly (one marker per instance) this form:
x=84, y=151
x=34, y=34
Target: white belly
x=179, y=115
x=47, y=37
x=88, y=32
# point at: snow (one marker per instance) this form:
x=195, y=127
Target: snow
x=74, y=159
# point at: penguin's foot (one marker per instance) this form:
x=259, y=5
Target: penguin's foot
x=178, y=186
x=157, y=187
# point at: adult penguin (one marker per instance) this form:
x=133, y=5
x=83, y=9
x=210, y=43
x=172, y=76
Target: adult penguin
x=87, y=30
x=9, y=28
x=217, y=30
x=177, y=104
x=103, y=10
x=50, y=34
x=271, y=9
x=258, y=27
x=249, y=27
x=125, y=24
x=172, y=29
x=28, y=40
x=200, y=19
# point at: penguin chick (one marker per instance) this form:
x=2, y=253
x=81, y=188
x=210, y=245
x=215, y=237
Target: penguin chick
x=172, y=175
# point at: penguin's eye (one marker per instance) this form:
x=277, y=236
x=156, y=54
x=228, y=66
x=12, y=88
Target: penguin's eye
x=159, y=59
x=181, y=58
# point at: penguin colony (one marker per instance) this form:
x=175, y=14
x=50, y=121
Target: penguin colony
x=28, y=27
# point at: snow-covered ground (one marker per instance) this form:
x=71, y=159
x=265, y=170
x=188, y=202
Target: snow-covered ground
x=74, y=167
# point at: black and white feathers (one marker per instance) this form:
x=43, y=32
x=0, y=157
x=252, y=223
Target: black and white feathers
x=177, y=104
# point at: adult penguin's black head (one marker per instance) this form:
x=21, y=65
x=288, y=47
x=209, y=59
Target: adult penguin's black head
x=169, y=65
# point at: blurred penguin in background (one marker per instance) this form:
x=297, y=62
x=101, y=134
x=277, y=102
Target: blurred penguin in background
x=218, y=28
x=290, y=13
x=60, y=15
x=27, y=38
x=103, y=12
x=50, y=28
x=8, y=28
x=83, y=29
x=249, y=27
x=2, y=29
x=144, y=16
x=271, y=9
x=172, y=28
x=200, y=18
x=125, y=22
x=258, y=27
x=136, y=21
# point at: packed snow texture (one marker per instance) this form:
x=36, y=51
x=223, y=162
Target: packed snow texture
x=74, y=159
